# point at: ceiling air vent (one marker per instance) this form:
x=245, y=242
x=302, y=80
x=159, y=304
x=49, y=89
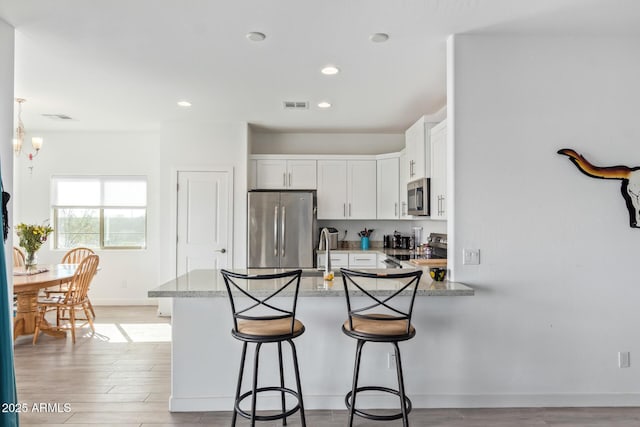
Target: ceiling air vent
x=296, y=105
x=57, y=116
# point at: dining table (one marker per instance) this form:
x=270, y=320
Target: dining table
x=27, y=285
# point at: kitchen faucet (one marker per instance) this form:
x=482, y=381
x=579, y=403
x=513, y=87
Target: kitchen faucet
x=328, y=274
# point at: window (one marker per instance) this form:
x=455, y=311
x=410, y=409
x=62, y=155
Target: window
x=107, y=212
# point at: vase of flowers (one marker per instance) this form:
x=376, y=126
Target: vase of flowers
x=31, y=239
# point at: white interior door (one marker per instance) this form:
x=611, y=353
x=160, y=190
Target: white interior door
x=204, y=221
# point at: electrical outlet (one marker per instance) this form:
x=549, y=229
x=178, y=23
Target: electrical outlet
x=471, y=256
x=624, y=359
x=391, y=360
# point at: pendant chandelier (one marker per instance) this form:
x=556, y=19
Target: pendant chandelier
x=18, y=141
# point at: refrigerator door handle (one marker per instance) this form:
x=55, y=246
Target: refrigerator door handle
x=283, y=228
x=275, y=231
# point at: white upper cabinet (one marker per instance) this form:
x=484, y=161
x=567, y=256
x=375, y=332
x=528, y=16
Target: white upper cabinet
x=361, y=189
x=271, y=174
x=346, y=189
x=418, y=150
x=332, y=189
x=388, y=177
x=302, y=174
x=286, y=174
x=438, y=136
x=404, y=179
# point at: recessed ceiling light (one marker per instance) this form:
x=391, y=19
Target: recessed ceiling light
x=184, y=103
x=255, y=36
x=379, y=37
x=324, y=104
x=330, y=70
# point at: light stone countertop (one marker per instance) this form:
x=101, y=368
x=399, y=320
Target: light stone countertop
x=210, y=284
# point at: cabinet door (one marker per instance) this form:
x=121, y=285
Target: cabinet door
x=361, y=193
x=301, y=174
x=404, y=179
x=363, y=260
x=415, y=145
x=388, y=177
x=439, y=172
x=271, y=174
x=332, y=189
x=338, y=260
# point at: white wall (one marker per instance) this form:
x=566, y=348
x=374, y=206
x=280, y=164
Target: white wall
x=125, y=275
x=189, y=146
x=6, y=126
x=557, y=287
x=326, y=143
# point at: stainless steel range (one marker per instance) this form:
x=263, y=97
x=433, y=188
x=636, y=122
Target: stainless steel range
x=438, y=244
x=436, y=249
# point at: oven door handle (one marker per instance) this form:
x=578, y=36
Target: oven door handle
x=392, y=264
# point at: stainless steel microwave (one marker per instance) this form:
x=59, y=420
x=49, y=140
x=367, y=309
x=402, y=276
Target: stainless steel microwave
x=419, y=197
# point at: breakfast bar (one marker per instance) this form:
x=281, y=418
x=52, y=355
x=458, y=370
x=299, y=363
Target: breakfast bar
x=205, y=357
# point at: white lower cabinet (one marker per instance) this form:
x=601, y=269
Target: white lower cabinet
x=363, y=260
x=338, y=260
x=350, y=260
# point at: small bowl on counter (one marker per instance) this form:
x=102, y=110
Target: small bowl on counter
x=437, y=273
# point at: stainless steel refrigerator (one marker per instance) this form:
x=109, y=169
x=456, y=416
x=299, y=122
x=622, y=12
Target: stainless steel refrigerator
x=282, y=229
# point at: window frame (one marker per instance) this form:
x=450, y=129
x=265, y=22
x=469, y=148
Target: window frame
x=100, y=208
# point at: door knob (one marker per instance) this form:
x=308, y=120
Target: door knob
x=223, y=250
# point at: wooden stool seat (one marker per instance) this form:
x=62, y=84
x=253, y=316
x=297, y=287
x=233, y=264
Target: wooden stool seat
x=270, y=328
x=384, y=328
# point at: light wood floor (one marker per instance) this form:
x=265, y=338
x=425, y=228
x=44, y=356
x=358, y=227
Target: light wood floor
x=121, y=375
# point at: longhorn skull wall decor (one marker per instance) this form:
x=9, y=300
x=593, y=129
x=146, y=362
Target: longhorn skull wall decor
x=630, y=178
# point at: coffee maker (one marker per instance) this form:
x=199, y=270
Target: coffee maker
x=394, y=241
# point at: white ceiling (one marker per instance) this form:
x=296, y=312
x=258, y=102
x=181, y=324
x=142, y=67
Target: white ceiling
x=123, y=64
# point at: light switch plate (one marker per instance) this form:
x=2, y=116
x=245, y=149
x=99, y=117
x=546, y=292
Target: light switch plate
x=471, y=256
x=624, y=359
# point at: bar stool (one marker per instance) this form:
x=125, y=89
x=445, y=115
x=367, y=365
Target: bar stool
x=260, y=319
x=379, y=319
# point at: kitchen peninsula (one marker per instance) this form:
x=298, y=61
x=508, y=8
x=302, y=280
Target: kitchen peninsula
x=205, y=357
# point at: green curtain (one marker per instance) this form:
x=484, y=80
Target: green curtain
x=8, y=395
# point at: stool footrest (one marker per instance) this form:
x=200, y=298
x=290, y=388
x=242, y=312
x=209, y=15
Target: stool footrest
x=273, y=417
x=376, y=417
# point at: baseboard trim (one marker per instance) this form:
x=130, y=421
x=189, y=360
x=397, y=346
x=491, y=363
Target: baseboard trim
x=225, y=403
x=123, y=301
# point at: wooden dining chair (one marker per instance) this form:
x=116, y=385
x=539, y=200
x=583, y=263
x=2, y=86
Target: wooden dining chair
x=73, y=256
x=74, y=299
x=18, y=257
x=76, y=255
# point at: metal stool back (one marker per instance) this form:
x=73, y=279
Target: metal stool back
x=379, y=319
x=260, y=317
